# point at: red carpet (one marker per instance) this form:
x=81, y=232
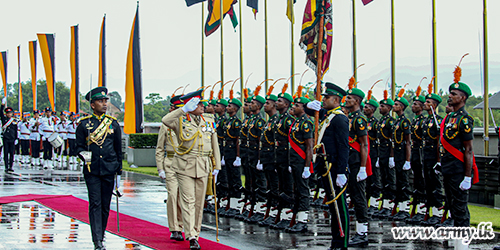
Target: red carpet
x=140, y=231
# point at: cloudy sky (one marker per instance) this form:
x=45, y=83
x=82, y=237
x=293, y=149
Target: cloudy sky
x=171, y=41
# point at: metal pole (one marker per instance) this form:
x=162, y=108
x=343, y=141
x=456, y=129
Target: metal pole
x=242, y=98
x=393, y=55
x=434, y=45
x=486, y=115
x=222, y=45
x=292, y=47
x=354, y=54
x=266, y=48
x=202, y=44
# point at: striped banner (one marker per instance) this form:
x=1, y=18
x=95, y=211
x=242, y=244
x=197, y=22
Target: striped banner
x=19, y=79
x=74, y=96
x=47, y=45
x=32, y=49
x=102, y=54
x=133, y=84
x=3, y=70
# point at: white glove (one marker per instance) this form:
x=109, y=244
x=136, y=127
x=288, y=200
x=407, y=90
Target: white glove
x=361, y=174
x=237, y=162
x=191, y=105
x=306, y=173
x=341, y=180
x=215, y=173
x=314, y=105
x=377, y=164
x=437, y=168
x=117, y=182
x=4, y=100
x=222, y=162
x=465, y=184
x=259, y=166
x=86, y=155
x=407, y=166
x=391, y=162
x=16, y=142
x=290, y=169
x=162, y=174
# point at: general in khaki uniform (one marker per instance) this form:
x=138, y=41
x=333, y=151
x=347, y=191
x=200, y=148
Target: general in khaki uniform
x=197, y=154
x=164, y=156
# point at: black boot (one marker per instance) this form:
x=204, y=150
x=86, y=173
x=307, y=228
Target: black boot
x=268, y=221
x=176, y=235
x=432, y=221
x=300, y=227
x=193, y=244
x=358, y=240
x=416, y=219
x=98, y=245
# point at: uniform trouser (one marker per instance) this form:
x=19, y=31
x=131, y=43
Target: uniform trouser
x=63, y=149
x=17, y=148
x=47, y=150
x=456, y=199
x=433, y=184
x=285, y=183
x=25, y=147
x=357, y=193
x=100, y=189
x=8, y=153
x=259, y=186
x=72, y=147
x=174, y=212
x=418, y=176
x=233, y=179
x=301, y=190
x=272, y=184
x=337, y=240
x=388, y=178
x=373, y=182
x=402, y=182
x=192, y=194
x=35, y=149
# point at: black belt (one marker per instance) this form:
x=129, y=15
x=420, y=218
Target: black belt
x=266, y=145
x=230, y=142
x=282, y=143
x=253, y=143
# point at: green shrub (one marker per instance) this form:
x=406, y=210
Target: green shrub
x=143, y=140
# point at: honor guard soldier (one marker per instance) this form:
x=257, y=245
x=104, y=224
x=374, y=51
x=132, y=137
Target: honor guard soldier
x=402, y=155
x=431, y=158
x=285, y=180
x=165, y=151
x=24, y=138
x=374, y=183
x=193, y=160
x=332, y=155
x=359, y=162
x=258, y=178
x=232, y=127
x=47, y=128
x=222, y=186
x=385, y=160
x=457, y=158
x=9, y=135
x=17, y=145
x=99, y=145
x=267, y=157
x=71, y=129
x=35, y=138
x=416, y=159
x=62, y=130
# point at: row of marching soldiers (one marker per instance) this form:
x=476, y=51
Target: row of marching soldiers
x=355, y=153
x=30, y=141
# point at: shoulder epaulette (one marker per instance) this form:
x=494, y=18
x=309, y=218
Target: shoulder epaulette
x=111, y=117
x=86, y=117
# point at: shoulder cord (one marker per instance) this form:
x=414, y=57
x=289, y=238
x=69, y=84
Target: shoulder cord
x=396, y=136
x=454, y=134
x=382, y=131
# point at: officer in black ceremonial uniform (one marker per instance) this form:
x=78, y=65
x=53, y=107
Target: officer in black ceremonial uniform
x=98, y=144
x=373, y=184
x=417, y=149
x=222, y=185
x=9, y=128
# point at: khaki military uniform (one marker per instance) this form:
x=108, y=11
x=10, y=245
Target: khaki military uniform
x=164, y=156
x=193, y=161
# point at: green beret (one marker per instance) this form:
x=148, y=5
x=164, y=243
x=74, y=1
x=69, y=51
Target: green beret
x=302, y=100
x=342, y=104
x=419, y=98
x=272, y=97
x=236, y=102
x=332, y=89
x=372, y=102
x=362, y=105
x=286, y=96
x=205, y=104
x=356, y=92
x=259, y=99
x=213, y=101
x=223, y=102
x=462, y=87
x=97, y=94
x=249, y=99
x=434, y=97
x=403, y=101
x=389, y=102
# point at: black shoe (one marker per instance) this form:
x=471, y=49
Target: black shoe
x=222, y=211
x=98, y=245
x=211, y=208
x=242, y=216
x=383, y=213
x=268, y=221
x=317, y=203
x=176, y=235
x=415, y=220
x=372, y=210
x=400, y=216
x=232, y=212
x=300, y=227
x=255, y=218
x=432, y=221
x=358, y=240
x=193, y=244
x=447, y=223
x=282, y=224
x=496, y=248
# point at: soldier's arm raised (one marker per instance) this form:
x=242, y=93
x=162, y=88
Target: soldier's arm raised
x=171, y=120
x=160, y=148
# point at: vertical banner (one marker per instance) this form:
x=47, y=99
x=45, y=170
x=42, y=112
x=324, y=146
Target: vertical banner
x=47, y=48
x=32, y=50
x=74, y=93
x=3, y=70
x=102, y=54
x=133, y=82
x=19, y=79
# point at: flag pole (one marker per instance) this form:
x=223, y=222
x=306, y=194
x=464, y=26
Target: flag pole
x=393, y=54
x=434, y=45
x=19, y=79
x=202, y=45
x=354, y=54
x=319, y=68
x=222, y=45
x=486, y=115
x=241, y=58
x=265, y=46
x=292, y=47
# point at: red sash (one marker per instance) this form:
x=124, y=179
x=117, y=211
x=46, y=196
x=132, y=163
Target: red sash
x=457, y=153
x=355, y=145
x=297, y=149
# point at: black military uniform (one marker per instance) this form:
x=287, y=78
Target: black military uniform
x=232, y=127
x=417, y=158
x=433, y=182
x=222, y=184
x=245, y=163
x=388, y=175
x=374, y=183
x=401, y=128
x=9, y=128
x=105, y=144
